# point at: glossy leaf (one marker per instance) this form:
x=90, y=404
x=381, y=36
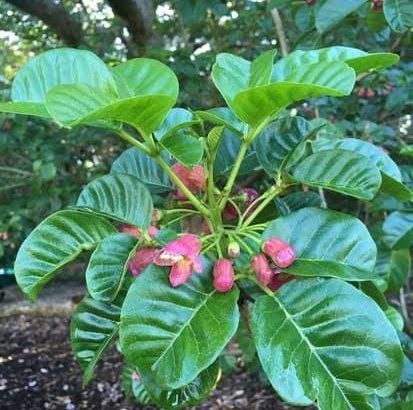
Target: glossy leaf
x=342, y=171
x=407, y=175
x=143, y=76
x=277, y=144
x=332, y=12
x=58, y=240
x=359, y=60
x=297, y=200
x=391, y=176
x=176, y=120
x=399, y=14
x=258, y=104
x=94, y=326
x=175, y=333
x=189, y=395
x=398, y=230
x=261, y=68
x=140, y=165
x=76, y=104
x=310, y=334
x=184, y=148
x=222, y=116
x=119, y=196
x=327, y=243
x=60, y=66
x=26, y=108
x=395, y=318
x=108, y=266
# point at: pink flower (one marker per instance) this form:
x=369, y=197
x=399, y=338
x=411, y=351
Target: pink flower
x=134, y=231
x=141, y=260
x=262, y=268
x=280, y=252
x=193, y=178
x=182, y=255
x=224, y=275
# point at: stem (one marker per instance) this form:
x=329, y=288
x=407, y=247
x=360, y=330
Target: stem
x=323, y=198
x=127, y=137
x=194, y=200
x=270, y=195
x=279, y=28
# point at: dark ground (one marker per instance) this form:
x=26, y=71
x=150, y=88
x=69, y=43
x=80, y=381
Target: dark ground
x=38, y=371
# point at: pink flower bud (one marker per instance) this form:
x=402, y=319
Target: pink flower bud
x=223, y=275
x=142, y=259
x=134, y=231
x=262, y=268
x=157, y=215
x=233, y=249
x=280, y=252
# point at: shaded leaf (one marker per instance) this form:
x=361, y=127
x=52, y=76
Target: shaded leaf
x=399, y=14
x=398, y=230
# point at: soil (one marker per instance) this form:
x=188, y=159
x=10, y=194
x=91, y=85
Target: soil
x=38, y=370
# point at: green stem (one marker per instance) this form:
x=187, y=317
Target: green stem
x=270, y=195
x=127, y=137
x=194, y=200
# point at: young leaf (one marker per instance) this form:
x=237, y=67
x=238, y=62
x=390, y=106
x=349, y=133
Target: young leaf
x=194, y=392
x=222, y=116
x=332, y=12
x=175, y=333
x=121, y=197
x=310, y=334
x=327, y=243
x=399, y=14
x=176, y=120
x=279, y=141
x=261, y=68
x=398, y=230
x=140, y=165
x=108, y=266
x=58, y=240
x=184, y=148
x=342, y=171
x=94, y=326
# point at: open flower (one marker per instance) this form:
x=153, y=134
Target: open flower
x=282, y=253
x=224, y=275
x=193, y=178
x=182, y=255
x=141, y=260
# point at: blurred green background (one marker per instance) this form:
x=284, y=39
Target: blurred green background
x=43, y=167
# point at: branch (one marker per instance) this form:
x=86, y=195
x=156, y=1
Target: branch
x=55, y=16
x=138, y=16
x=280, y=31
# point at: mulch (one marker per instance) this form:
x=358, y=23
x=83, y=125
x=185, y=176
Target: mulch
x=38, y=371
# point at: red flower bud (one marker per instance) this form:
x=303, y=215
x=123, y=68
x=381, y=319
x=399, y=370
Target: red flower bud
x=278, y=279
x=262, y=268
x=282, y=254
x=233, y=249
x=223, y=275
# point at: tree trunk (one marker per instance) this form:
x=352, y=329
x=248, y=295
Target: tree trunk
x=55, y=16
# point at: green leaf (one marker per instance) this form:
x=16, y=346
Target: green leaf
x=175, y=333
x=214, y=138
x=261, y=68
x=140, y=392
x=395, y=318
x=60, y=66
x=391, y=176
x=76, y=104
x=119, y=196
x=398, y=230
x=222, y=116
x=342, y=171
x=227, y=153
x=277, y=144
x=58, y=240
x=176, y=120
x=323, y=340
x=26, y=108
x=332, y=12
x=399, y=14
x=108, y=266
x=184, y=148
x=194, y=392
x=143, y=76
x=327, y=243
x=407, y=175
x=94, y=326
x=142, y=166
x=359, y=60
x=258, y=104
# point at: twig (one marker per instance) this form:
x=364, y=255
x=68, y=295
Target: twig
x=280, y=31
